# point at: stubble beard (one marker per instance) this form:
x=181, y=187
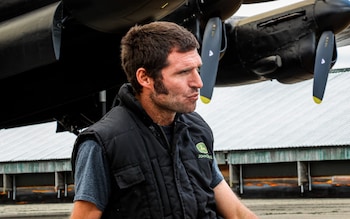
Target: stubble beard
x=174, y=107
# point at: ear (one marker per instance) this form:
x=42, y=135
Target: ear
x=143, y=79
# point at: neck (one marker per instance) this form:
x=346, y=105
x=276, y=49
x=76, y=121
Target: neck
x=159, y=116
x=163, y=120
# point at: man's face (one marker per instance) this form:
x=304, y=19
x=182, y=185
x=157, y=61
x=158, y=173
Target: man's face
x=178, y=90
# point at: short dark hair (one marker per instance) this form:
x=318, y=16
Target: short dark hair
x=149, y=45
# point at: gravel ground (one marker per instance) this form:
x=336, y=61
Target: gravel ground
x=300, y=208
x=265, y=208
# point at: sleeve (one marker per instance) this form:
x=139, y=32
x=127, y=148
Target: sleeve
x=217, y=175
x=92, y=175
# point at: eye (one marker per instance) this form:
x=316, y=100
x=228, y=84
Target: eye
x=184, y=72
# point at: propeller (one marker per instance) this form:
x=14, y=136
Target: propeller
x=210, y=54
x=323, y=60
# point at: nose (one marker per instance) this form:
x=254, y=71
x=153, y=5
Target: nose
x=196, y=81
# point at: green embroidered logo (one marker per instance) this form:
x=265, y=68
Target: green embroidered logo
x=202, y=148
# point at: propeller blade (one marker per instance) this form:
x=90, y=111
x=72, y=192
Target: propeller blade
x=324, y=53
x=210, y=54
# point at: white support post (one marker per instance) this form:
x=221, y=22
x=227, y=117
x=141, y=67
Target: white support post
x=309, y=176
x=241, y=183
x=7, y=184
x=302, y=175
x=59, y=183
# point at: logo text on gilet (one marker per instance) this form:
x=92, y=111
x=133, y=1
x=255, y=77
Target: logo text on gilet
x=203, y=150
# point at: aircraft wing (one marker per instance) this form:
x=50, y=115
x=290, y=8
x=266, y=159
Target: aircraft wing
x=59, y=60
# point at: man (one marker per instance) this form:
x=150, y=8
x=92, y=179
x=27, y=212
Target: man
x=152, y=155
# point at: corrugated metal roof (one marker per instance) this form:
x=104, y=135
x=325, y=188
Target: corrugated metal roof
x=274, y=115
x=258, y=116
x=35, y=142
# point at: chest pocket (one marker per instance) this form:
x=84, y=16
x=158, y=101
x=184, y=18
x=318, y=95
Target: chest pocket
x=129, y=177
x=133, y=202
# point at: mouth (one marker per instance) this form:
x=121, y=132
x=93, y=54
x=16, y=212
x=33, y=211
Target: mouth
x=194, y=97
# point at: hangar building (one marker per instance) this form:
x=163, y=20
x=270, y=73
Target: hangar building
x=267, y=135
x=273, y=135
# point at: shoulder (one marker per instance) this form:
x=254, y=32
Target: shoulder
x=196, y=122
x=193, y=118
x=89, y=147
x=116, y=121
x=88, y=150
